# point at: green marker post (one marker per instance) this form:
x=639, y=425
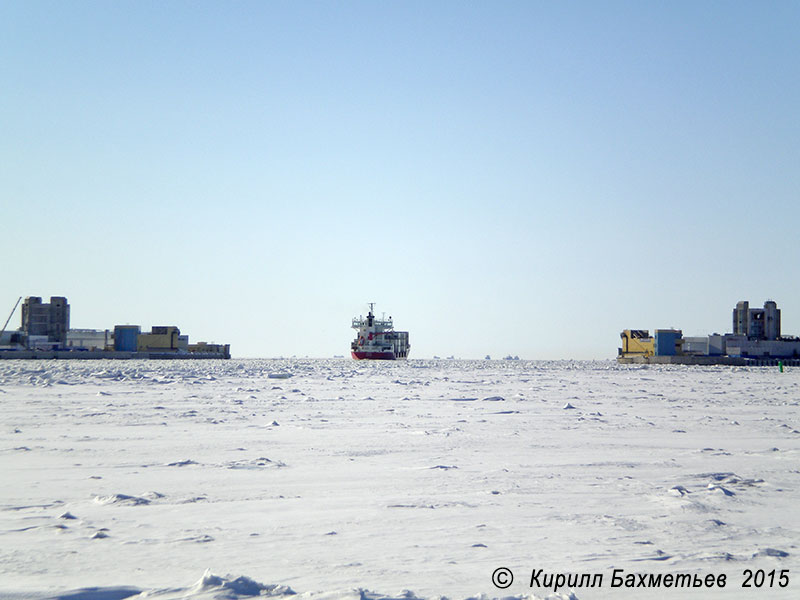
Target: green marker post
x=780, y=365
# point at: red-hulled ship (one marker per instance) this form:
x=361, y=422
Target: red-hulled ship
x=377, y=339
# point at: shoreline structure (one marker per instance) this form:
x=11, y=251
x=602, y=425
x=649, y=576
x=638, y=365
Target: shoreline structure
x=44, y=333
x=106, y=354
x=756, y=341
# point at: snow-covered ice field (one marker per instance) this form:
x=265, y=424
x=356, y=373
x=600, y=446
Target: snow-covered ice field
x=344, y=479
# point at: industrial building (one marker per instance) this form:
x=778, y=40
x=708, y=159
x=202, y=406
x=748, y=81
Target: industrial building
x=45, y=333
x=45, y=325
x=160, y=339
x=90, y=339
x=757, y=323
x=756, y=338
x=206, y=348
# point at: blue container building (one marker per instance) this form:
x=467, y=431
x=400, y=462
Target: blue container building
x=667, y=341
x=126, y=338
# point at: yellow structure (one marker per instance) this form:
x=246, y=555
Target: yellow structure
x=637, y=342
x=205, y=347
x=160, y=339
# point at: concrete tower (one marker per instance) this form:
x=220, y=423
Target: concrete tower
x=741, y=318
x=772, y=318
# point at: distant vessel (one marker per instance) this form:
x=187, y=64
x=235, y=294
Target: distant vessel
x=377, y=339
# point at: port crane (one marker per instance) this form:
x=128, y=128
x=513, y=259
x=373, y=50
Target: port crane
x=3, y=330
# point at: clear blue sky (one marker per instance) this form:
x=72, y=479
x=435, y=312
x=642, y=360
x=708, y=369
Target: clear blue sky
x=522, y=178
